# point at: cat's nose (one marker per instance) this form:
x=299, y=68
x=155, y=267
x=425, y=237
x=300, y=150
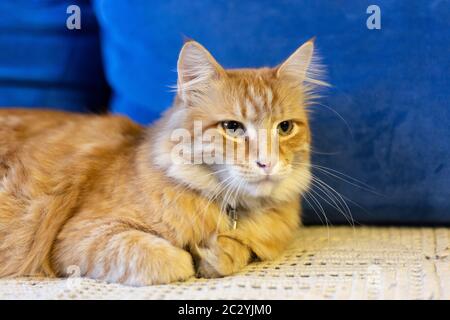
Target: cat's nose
x=264, y=165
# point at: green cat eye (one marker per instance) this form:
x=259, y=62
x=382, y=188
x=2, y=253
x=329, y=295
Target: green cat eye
x=285, y=127
x=233, y=128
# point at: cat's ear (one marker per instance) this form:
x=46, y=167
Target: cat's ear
x=299, y=67
x=196, y=68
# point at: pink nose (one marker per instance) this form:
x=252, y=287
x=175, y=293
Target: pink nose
x=264, y=165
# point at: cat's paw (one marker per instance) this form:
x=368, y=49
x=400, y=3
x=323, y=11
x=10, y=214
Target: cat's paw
x=178, y=267
x=160, y=264
x=174, y=265
x=222, y=256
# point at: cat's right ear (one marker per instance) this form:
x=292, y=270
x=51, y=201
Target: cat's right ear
x=300, y=67
x=196, y=68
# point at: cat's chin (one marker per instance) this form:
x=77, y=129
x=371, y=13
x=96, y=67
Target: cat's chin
x=283, y=189
x=263, y=188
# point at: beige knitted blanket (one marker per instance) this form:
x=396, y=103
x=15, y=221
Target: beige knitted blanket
x=322, y=263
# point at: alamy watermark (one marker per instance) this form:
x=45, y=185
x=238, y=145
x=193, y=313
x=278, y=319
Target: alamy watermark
x=73, y=21
x=216, y=146
x=74, y=280
x=373, y=22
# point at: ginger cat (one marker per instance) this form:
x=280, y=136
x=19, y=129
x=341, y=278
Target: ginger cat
x=105, y=195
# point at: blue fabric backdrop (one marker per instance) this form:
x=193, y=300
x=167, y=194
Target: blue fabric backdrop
x=391, y=87
x=42, y=63
x=385, y=122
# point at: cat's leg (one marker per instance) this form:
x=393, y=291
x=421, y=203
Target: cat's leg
x=223, y=254
x=118, y=251
x=264, y=235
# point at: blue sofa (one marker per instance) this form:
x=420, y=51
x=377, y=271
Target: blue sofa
x=42, y=63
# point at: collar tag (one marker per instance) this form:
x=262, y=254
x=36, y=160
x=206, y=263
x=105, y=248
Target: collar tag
x=232, y=213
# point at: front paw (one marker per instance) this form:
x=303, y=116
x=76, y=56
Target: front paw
x=222, y=256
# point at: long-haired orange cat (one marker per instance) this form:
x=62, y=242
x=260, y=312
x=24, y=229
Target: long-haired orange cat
x=106, y=195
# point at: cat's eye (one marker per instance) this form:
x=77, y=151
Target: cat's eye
x=233, y=128
x=285, y=127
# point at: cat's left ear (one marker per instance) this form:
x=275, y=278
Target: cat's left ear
x=299, y=67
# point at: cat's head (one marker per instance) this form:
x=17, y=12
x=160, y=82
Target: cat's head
x=258, y=116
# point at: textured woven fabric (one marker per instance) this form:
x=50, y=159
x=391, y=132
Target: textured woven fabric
x=323, y=263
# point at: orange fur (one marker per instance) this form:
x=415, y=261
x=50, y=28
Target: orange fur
x=101, y=193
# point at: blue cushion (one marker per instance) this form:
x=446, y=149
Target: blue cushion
x=386, y=121
x=44, y=64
